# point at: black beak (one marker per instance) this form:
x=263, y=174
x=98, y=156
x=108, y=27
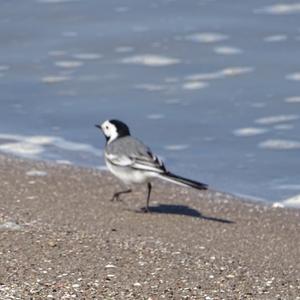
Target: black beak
x=98, y=126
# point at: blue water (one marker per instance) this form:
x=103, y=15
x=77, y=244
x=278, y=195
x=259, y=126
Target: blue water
x=212, y=86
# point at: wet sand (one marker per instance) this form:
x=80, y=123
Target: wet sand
x=61, y=238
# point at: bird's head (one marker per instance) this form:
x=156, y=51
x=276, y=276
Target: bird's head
x=113, y=129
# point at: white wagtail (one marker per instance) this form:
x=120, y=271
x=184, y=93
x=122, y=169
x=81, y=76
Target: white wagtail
x=133, y=162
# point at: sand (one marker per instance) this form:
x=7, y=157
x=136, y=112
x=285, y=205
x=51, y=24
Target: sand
x=61, y=238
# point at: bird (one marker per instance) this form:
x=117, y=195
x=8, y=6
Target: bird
x=132, y=162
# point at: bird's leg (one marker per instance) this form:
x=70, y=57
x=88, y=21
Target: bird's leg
x=148, y=197
x=116, y=195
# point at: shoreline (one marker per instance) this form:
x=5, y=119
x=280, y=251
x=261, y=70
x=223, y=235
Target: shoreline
x=61, y=238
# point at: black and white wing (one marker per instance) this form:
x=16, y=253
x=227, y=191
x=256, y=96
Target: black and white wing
x=129, y=152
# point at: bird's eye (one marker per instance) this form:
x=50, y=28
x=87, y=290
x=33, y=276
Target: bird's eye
x=106, y=127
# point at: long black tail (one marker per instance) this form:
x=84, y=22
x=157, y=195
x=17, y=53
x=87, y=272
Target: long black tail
x=183, y=181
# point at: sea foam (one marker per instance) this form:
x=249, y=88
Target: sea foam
x=280, y=9
x=278, y=144
x=226, y=50
x=291, y=202
x=249, y=131
x=294, y=99
x=227, y=72
x=150, y=60
x=270, y=120
x=275, y=38
x=207, y=37
x=35, y=146
x=293, y=76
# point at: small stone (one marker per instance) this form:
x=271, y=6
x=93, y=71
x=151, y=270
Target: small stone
x=269, y=283
x=110, y=266
x=10, y=226
x=137, y=284
x=52, y=244
x=34, y=172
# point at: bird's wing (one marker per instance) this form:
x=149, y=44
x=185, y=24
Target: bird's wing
x=148, y=162
x=144, y=162
x=119, y=160
x=129, y=151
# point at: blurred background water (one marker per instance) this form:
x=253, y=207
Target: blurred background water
x=213, y=86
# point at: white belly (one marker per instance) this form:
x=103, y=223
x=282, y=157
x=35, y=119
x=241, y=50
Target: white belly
x=128, y=175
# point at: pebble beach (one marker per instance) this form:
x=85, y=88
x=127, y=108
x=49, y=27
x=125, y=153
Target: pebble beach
x=61, y=238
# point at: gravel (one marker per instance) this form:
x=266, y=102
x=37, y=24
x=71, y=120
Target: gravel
x=61, y=238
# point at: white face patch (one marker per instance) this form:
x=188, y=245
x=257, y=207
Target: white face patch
x=109, y=130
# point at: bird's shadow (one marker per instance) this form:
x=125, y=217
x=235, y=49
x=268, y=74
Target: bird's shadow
x=183, y=210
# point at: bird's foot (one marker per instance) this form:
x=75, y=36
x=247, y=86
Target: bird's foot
x=145, y=210
x=116, y=197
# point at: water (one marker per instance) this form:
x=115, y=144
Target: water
x=212, y=86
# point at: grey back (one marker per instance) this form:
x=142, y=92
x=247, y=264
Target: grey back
x=128, y=146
